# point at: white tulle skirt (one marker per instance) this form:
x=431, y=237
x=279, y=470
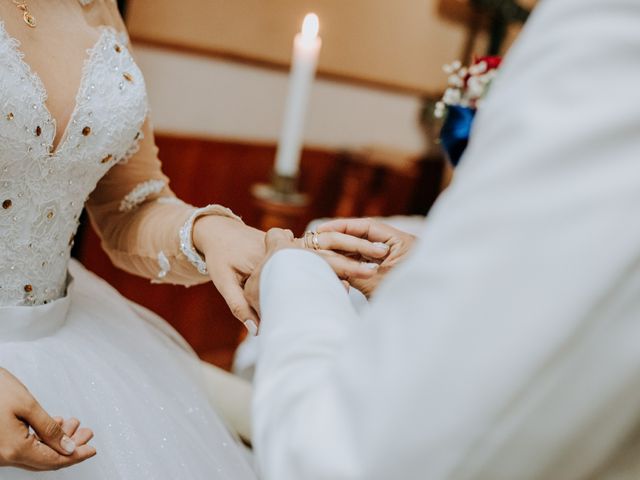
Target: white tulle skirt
x=127, y=375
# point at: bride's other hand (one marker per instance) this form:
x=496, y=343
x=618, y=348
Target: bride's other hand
x=398, y=245
x=276, y=239
x=232, y=251
x=56, y=443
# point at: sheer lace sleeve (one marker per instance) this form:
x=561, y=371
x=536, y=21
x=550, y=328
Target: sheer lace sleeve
x=144, y=228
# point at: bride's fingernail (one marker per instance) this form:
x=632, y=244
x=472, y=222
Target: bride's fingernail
x=68, y=445
x=251, y=327
x=381, y=246
x=371, y=266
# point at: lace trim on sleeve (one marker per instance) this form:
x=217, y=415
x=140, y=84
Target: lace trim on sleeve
x=165, y=268
x=140, y=193
x=186, y=234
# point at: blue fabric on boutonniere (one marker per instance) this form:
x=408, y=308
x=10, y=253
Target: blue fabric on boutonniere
x=456, y=130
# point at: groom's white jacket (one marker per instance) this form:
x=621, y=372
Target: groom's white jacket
x=507, y=346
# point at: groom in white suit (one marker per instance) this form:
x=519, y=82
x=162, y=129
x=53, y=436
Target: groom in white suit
x=507, y=346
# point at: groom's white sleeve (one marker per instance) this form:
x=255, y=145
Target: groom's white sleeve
x=506, y=346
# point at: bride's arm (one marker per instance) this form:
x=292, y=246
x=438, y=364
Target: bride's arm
x=147, y=231
x=144, y=228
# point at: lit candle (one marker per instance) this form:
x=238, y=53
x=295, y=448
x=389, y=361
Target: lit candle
x=306, y=49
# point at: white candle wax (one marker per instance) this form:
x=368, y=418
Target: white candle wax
x=306, y=49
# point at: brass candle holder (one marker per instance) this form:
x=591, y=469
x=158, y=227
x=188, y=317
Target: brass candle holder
x=281, y=204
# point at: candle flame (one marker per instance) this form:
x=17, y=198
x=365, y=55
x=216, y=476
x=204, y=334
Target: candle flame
x=310, y=26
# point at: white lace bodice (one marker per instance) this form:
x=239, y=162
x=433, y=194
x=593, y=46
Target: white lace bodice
x=42, y=190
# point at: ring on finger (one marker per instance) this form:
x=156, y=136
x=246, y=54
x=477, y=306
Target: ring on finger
x=315, y=241
x=307, y=239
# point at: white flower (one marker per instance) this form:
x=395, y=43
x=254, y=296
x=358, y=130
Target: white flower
x=456, y=81
x=452, y=96
x=478, y=68
x=440, y=109
x=475, y=87
x=490, y=75
x=450, y=68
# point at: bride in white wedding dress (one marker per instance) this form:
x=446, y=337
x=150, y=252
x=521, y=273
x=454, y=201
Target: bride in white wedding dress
x=80, y=348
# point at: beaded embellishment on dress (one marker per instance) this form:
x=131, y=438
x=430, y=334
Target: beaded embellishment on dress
x=42, y=189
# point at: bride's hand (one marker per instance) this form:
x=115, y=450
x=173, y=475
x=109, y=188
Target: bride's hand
x=232, y=251
x=398, y=243
x=30, y=439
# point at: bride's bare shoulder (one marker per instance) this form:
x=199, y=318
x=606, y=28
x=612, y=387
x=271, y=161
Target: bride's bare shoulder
x=103, y=12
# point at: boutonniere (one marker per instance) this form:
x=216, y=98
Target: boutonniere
x=467, y=89
x=468, y=86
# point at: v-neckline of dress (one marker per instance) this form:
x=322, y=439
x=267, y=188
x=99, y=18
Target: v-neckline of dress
x=38, y=84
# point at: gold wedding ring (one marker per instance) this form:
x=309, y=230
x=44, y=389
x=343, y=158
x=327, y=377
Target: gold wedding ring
x=307, y=239
x=315, y=241
x=311, y=240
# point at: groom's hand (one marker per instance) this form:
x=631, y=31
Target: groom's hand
x=397, y=243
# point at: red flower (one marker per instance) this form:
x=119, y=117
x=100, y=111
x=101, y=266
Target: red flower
x=492, y=62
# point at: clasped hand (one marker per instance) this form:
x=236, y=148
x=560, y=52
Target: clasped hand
x=360, y=251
